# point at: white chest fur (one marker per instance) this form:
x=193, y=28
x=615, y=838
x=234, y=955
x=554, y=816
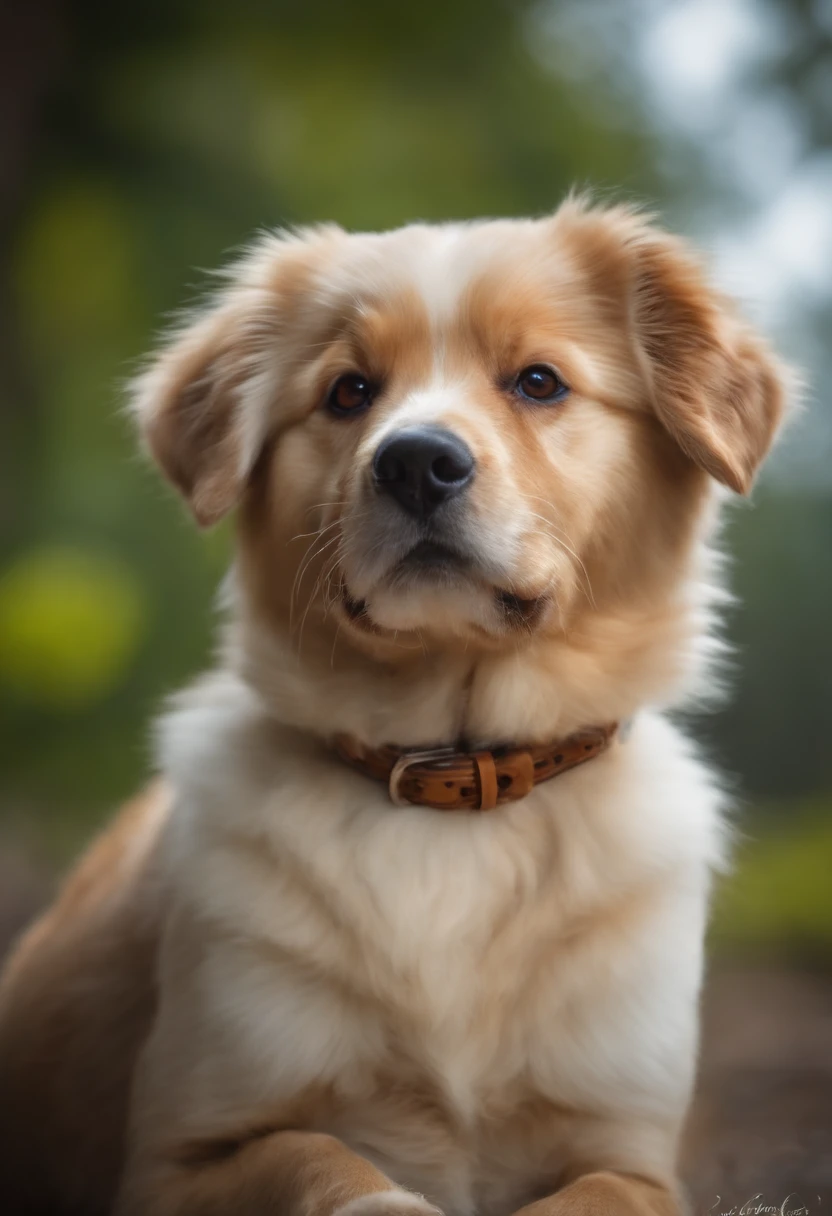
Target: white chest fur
x=548, y=952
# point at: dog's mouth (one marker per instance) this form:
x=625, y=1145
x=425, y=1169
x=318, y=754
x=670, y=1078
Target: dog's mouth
x=519, y=610
x=356, y=610
x=432, y=562
x=512, y=611
x=428, y=564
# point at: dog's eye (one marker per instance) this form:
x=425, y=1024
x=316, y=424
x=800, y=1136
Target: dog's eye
x=350, y=394
x=541, y=383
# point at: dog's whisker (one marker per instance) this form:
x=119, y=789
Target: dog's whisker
x=334, y=644
x=316, y=551
x=324, y=577
x=567, y=548
x=320, y=505
x=315, y=531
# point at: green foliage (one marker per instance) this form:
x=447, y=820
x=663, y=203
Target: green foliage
x=775, y=729
x=70, y=622
x=779, y=898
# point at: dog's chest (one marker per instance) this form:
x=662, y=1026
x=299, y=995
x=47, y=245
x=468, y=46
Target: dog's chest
x=424, y=975
x=434, y=1024
x=452, y=995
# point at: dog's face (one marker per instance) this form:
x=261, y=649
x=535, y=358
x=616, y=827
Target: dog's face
x=473, y=433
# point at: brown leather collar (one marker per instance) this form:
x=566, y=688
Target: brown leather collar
x=450, y=780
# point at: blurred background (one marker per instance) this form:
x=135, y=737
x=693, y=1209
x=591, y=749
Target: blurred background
x=142, y=143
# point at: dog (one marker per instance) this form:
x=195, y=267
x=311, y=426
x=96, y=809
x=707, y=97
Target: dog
x=412, y=921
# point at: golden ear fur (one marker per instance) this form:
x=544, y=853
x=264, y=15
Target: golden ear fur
x=203, y=404
x=716, y=387
x=712, y=382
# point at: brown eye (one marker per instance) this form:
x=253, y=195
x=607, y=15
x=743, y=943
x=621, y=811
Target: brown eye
x=541, y=383
x=350, y=394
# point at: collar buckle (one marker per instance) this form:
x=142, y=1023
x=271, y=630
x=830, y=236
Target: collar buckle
x=406, y=761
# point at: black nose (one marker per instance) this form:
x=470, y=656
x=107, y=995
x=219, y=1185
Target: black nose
x=422, y=467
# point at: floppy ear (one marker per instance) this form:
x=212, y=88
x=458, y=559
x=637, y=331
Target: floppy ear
x=203, y=403
x=715, y=386
x=206, y=401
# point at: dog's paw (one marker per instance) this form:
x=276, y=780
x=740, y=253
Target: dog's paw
x=389, y=1203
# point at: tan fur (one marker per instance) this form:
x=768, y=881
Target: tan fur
x=302, y=1173
x=310, y=1002
x=76, y=1000
x=606, y=1195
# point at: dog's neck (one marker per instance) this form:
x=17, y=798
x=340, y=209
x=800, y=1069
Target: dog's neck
x=651, y=654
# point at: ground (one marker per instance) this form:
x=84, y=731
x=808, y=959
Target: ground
x=760, y=1140
x=762, y=1121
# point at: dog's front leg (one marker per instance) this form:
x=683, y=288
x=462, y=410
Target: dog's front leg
x=606, y=1193
x=286, y=1173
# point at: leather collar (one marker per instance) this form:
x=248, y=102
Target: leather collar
x=451, y=779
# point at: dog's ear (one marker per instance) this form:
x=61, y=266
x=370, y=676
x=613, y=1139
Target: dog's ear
x=714, y=384
x=206, y=401
x=203, y=403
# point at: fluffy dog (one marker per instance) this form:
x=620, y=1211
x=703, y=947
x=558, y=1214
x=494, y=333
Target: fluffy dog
x=475, y=469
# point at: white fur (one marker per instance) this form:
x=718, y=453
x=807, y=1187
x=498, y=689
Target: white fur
x=389, y=1202
x=425, y=893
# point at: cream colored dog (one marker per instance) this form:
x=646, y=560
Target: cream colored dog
x=476, y=468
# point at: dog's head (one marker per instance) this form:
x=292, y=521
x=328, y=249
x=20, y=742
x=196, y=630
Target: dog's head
x=482, y=432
